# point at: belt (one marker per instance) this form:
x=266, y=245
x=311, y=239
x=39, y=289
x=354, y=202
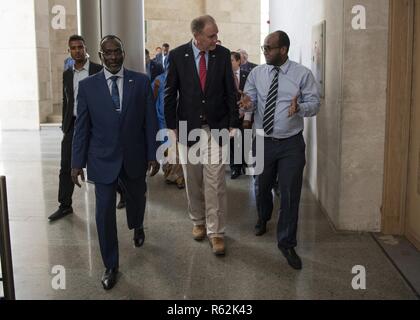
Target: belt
x=282, y=139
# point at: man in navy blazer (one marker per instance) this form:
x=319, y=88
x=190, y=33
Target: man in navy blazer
x=153, y=69
x=115, y=139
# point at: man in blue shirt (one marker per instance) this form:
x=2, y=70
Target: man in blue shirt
x=281, y=93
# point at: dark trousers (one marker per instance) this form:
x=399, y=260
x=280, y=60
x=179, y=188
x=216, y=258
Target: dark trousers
x=120, y=191
x=66, y=185
x=284, y=160
x=106, y=224
x=239, y=161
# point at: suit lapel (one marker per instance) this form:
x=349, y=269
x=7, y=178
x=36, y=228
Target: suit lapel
x=241, y=80
x=210, y=69
x=127, y=91
x=70, y=77
x=189, y=55
x=92, y=68
x=104, y=89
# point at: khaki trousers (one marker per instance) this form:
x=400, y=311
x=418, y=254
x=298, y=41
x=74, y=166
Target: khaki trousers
x=205, y=182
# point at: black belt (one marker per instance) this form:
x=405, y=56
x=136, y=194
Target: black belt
x=282, y=139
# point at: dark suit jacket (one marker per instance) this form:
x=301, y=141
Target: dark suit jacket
x=105, y=140
x=184, y=98
x=68, y=95
x=243, y=75
x=155, y=70
x=158, y=59
x=248, y=66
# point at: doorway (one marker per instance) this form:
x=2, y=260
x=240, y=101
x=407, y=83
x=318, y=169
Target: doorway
x=401, y=193
x=412, y=221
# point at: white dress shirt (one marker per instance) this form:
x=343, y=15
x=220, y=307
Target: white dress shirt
x=79, y=75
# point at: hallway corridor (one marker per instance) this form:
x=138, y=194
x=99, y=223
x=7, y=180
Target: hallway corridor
x=171, y=265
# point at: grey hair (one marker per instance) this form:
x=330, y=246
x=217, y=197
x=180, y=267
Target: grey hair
x=198, y=24
x=242, y=51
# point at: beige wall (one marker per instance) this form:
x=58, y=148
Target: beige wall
x=169, y=21
x=363, y=117
x=345, y=142
x=58, y=44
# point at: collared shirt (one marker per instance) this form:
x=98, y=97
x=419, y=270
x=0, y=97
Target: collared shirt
x=294, y=80
x=163, y=59
x=238, y=76
x=120, y=82
x=197, y=57
x=79, y=75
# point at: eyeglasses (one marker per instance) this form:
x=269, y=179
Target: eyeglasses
x=109, y=53
x=268, y=48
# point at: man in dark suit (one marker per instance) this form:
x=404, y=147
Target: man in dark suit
x=240, y=76
x=81, y=69
x=245, y=64
x=162, y=58
x=115, y=138
x=153, y=69
x=200, y=91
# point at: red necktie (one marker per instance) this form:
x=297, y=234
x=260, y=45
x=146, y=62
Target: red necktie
x=203, y=70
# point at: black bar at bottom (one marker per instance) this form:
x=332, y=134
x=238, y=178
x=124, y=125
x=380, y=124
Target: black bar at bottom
x=5, y=248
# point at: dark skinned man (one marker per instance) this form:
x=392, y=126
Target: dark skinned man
x=115, y=139
x=281, y=93
x=71, y=78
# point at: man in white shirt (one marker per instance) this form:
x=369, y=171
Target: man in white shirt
x=81, y=69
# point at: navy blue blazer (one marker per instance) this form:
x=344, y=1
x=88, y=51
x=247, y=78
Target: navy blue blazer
x=104, y=139
x=156, y=69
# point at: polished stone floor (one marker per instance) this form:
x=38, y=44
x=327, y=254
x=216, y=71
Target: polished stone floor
x=171, y=265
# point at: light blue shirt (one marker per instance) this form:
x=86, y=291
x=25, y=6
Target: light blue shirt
x=197, y=57
x=294, y=80
x=120, y=82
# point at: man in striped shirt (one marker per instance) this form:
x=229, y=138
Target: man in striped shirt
x=281, y=93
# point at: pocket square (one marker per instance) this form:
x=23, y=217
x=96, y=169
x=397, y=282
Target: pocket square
x=187, y=55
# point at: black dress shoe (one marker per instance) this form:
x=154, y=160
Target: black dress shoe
x=109, y=279
x=138, y=237
x=235, y=173
x=292, y=258
x=121, y=204
x=260, y=228
x=60, y=213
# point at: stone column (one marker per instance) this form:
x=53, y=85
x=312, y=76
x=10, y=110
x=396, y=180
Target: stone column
x=125, y=20
x=90, y=26
x=58, y=51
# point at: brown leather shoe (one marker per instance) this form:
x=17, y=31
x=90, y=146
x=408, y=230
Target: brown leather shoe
x=199, y=232
x=218, y=246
